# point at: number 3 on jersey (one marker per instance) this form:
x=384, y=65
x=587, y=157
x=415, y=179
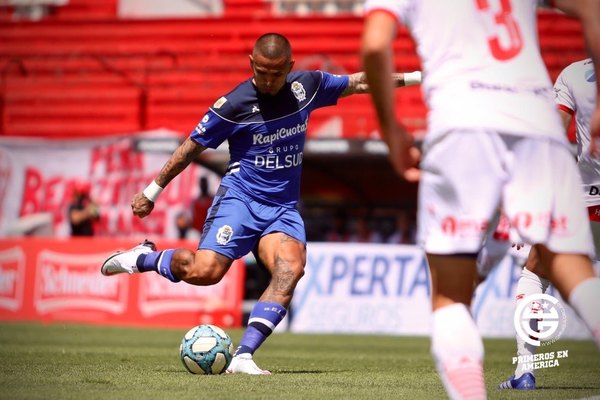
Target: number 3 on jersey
x=504, y=24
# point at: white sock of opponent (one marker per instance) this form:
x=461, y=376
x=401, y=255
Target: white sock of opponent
x=585, y=300
x=529, y=283
x=457, y=349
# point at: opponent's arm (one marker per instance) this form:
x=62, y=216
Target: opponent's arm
x=357, y=83
x=377, y=57
x=142, y=204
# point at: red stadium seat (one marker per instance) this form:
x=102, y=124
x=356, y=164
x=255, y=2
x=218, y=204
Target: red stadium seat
x=151, y=73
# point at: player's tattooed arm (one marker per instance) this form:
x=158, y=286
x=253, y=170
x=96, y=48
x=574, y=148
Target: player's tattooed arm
x=357, y=83
x=181, y=158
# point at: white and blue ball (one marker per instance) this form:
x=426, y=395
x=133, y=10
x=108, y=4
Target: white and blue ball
x=206, y=350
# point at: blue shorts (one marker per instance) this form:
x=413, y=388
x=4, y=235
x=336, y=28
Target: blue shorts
x=235, y=223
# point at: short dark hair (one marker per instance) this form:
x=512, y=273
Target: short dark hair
x=273, y=45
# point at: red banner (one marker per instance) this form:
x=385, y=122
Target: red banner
x=37, y=176
x=59, y=280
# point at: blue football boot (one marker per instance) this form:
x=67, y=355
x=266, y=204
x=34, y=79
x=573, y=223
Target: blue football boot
x=525, y=382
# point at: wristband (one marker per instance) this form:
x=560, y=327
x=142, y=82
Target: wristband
x=152, y=191
x=412, y=78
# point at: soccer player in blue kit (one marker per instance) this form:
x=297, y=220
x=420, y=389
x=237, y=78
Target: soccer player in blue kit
x=264, y=120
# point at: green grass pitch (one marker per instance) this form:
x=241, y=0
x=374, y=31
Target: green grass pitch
x=67, y=361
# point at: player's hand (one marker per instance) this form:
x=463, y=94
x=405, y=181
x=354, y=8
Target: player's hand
x=141, y=206
x=595, y=133
x=413, y=173
x=403, y=154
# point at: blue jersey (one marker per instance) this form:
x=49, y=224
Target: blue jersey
x=266, y=133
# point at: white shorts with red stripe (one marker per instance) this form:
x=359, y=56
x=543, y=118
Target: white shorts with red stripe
x=467, y=175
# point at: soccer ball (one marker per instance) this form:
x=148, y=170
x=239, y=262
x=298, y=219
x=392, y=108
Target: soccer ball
x=206, y=350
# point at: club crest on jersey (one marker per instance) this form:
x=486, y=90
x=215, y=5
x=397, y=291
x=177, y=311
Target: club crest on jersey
x=298, y=91
x=224, y=234
x=219, y=103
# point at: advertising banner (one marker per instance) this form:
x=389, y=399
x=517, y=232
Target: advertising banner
x=347, y=288
x=363, y=288
x=59, y=280
x=385, y=289
x=37, y=176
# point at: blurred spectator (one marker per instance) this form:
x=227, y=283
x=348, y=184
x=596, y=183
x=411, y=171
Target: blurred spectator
x=169, y=8
x=320, y=7
x=33, y=10
x=363, y=232
x=339, y=230
x=405, y=232
x=185, y=229
x=201, y=205
x=83, y=211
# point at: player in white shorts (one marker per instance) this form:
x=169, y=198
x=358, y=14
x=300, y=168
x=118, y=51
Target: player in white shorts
x=575, y=95
x=494, y=139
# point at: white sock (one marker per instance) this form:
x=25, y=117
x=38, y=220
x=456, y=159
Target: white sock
x=457, y=349
x=529, y=283
x=585, y=300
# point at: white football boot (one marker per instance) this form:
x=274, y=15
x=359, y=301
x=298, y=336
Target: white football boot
x=244, y=364
x=124, y=261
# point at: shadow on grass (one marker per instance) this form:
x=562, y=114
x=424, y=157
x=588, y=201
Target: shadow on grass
x=308, y=371
x=547, y=388
x=581, y=387
x=275, y=372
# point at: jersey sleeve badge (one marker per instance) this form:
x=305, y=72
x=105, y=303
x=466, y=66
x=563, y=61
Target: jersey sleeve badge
x=219, y=103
